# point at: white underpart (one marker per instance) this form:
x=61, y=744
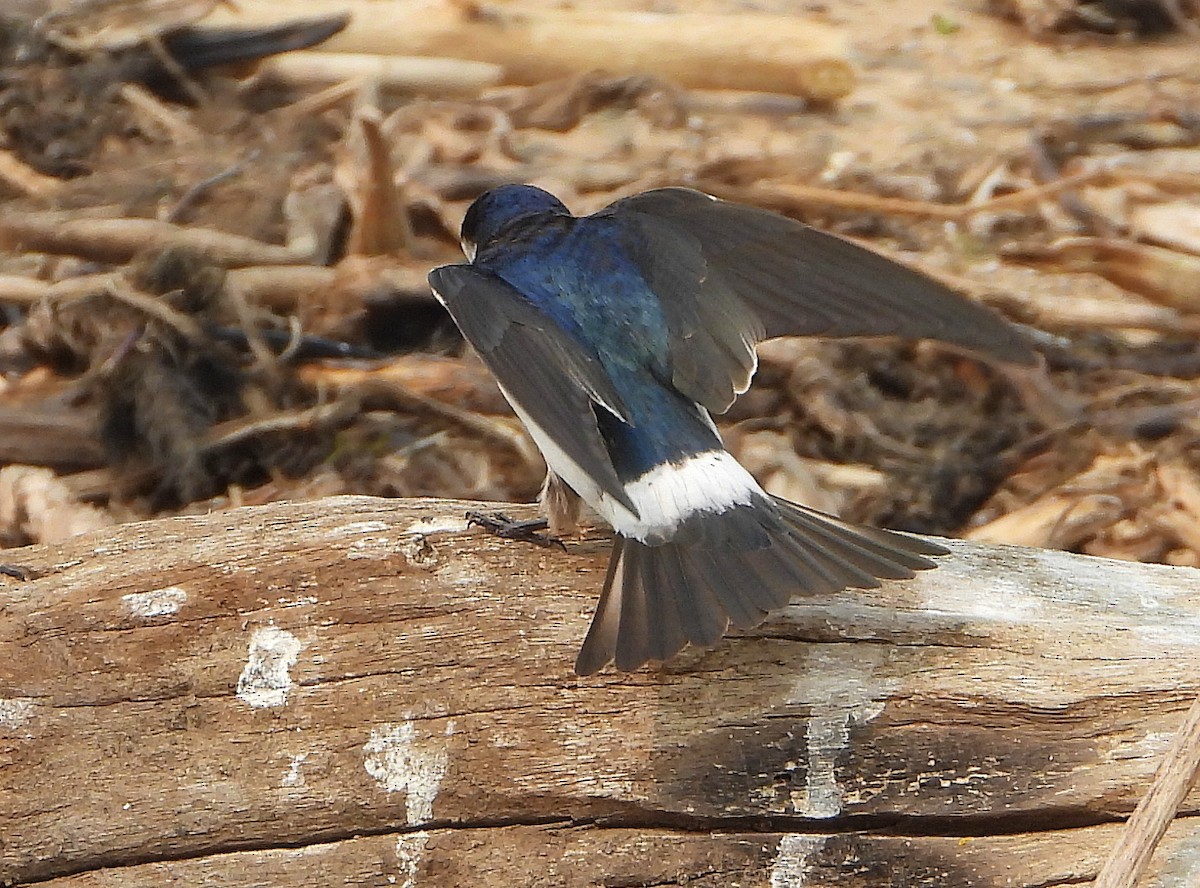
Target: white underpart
x=559, y=462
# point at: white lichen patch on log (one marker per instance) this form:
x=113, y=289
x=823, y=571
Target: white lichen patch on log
x=844, y=688
x=354, y=528
x=438, y=524
x=157, y=602
x=376, y=547
x=469, y=572
x=410, y=851
x=791, y=868
x=401, y=761
x=15, y=712
x=294, y=777
x=265, y=680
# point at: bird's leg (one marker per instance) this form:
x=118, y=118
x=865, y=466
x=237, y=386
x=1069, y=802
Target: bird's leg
x=561, y=505
x=556, y=501
x=499, y=524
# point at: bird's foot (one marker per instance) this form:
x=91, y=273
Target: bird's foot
x=499, y=524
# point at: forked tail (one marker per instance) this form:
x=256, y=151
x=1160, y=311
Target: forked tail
x=734, y=566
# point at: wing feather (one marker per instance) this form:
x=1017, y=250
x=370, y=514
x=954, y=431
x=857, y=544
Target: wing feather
x=729, y=276
x=550, y=375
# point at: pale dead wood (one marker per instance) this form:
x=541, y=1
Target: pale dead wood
x=36, y=505
x=234, y=697
x=156, y=309
x=21, y=176
x=319, y=102
x=1073, y=512
x=402, y=73
x=20, y=290
x=337, y=413
x=466, y=384
x=157, y=115
x=119, y=240
x=1167, y=277
x=1069, y=310
x=790, y=197
x=103, y=25
x=281, y=288
x=772, y=53
x=1175, y=224
x=286, y=288
x=379, y=220
x=1154, y=813
x=565, y=855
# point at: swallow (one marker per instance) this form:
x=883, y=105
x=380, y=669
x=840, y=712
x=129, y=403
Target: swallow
x=616, y=336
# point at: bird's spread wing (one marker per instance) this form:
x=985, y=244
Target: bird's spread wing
x=786, y=279
x=549, y=375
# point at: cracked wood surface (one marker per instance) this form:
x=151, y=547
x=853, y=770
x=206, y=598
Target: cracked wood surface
x=364, y=691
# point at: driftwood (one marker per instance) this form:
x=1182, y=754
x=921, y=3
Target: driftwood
x=773, y=53
x=365, y=692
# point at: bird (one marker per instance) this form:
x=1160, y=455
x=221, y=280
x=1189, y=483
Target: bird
x=616, y=336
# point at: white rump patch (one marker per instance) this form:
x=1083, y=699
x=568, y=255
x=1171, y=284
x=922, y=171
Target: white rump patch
x=668, y=494
x=712, y=481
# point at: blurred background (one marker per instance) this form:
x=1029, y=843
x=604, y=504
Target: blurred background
x=216, y=222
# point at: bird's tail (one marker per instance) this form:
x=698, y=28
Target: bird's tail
x=735, y=566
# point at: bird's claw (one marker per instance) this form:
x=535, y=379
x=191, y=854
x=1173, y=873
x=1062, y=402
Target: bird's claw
x=499, y=524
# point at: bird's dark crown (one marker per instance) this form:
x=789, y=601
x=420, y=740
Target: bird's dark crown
x=498, y=208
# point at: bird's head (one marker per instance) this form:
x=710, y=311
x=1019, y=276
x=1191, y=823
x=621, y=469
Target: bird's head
x=495, y=210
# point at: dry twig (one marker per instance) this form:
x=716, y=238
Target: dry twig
x=27, y=180
x=428, y=76
x=1154, y=813
x=119, y=240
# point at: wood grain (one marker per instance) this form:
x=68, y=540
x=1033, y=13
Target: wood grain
x=364, y=691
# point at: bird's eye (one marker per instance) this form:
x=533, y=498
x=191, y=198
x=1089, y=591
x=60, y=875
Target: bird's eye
x=468, y=248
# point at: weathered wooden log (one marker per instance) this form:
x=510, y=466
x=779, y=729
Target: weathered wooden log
x=365, y=692
x=773, y=53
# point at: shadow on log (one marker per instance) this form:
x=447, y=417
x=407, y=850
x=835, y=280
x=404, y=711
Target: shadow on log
x=365, y=692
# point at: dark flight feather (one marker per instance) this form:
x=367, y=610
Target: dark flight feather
x=786, y=279
x=555, y=379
